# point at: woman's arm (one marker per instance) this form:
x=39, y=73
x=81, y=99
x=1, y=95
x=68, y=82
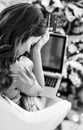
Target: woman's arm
x=38, y=72
x=36, y=58
x=31, y=83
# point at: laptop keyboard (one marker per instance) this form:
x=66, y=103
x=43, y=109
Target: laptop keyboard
x=50, y=81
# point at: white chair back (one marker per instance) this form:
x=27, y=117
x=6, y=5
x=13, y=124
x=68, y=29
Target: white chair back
x=12, y=117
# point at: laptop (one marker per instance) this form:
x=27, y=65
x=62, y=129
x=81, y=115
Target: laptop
x=52, y=54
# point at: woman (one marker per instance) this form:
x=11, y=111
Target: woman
x=23, y=32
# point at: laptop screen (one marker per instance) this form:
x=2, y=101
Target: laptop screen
x=53, y=52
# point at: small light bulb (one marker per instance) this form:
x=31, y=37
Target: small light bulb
x=77, y=51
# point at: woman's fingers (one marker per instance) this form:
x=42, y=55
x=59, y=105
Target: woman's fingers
x=43, y=40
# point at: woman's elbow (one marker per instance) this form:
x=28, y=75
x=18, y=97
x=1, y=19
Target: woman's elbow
x=35, y=91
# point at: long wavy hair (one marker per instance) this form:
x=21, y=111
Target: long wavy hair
x=17, y=23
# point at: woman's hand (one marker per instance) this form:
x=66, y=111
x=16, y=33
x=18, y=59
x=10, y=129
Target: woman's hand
x=43, y=40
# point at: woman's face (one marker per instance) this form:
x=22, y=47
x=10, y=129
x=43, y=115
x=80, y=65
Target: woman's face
x=26, y=46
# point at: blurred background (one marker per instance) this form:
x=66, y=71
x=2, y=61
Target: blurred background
x=66, y=18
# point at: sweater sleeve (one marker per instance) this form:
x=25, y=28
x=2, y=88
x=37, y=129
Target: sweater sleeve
x=26, y=81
